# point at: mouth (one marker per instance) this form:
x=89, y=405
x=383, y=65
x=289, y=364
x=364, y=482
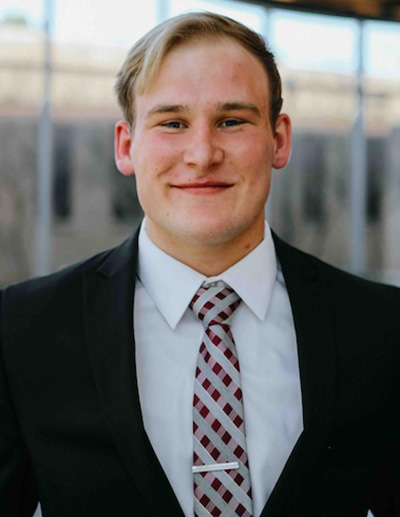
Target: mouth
x=207, y=188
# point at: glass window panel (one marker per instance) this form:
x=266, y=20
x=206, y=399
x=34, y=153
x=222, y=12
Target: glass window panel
x=103, y=23
x=382, y=49
x=310, y=41
x=250, y=15
x=29, y=10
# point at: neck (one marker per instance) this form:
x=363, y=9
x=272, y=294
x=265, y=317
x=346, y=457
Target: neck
x=209, y=259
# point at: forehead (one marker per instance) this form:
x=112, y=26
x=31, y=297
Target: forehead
x=217, y=63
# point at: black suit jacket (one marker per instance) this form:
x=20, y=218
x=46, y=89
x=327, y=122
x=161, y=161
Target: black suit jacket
x=71, y=430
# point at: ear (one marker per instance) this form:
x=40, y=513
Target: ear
x=122, y=148
x=283, y=141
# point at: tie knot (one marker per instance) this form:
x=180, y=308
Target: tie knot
x=215, y=305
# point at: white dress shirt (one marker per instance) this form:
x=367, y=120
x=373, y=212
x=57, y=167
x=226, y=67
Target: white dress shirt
x=168, y=336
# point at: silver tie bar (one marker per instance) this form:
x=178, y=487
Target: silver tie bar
x=215, y=466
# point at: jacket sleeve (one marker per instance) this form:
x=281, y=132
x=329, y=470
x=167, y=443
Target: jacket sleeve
x=386, y=493
x=18, y=492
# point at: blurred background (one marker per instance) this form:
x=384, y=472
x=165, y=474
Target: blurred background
x=61, y=196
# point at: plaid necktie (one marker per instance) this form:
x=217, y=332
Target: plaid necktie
x=221, y=467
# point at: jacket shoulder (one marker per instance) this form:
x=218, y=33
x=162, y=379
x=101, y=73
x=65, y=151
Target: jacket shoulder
x=339, y=281
x=355, y=303
x=37, y=286
x=46, y=298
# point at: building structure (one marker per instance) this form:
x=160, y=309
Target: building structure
x=94, y=207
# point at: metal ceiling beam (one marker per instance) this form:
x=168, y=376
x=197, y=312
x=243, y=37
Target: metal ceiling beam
x=388, y=10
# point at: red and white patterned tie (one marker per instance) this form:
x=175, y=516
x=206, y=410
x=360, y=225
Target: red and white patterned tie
x=221, y=467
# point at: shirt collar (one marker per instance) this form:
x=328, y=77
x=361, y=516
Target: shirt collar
x=171, y=285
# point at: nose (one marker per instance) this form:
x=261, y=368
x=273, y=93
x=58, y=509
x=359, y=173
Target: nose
x=203, y=150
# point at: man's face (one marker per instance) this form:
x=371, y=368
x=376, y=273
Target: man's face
x=202, y=147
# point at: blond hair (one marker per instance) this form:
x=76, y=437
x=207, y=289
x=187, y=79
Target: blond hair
x=145, y=57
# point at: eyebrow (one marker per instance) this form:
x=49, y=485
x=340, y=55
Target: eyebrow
x=168, y=108
x=239, y=106
x=222, y=107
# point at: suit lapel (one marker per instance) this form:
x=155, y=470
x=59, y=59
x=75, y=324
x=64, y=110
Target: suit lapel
x=313, y=318
x=109, y=296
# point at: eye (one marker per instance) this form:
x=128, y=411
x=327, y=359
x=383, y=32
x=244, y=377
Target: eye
x=173, y=124
x=231, y=122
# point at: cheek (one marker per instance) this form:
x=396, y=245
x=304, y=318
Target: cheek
x=256, y=146
x=153, y=149
x=164, y=147
x=255, y=159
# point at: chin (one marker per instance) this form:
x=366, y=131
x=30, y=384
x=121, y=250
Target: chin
x=210, y=234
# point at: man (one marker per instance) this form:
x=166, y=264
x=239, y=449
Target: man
x=121, y=390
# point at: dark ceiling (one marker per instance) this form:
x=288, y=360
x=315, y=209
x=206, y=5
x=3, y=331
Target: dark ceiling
x=375, y=9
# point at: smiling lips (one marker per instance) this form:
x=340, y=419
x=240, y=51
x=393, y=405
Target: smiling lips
x=210, y=187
